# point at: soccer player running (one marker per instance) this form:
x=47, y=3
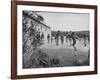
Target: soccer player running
x=70, y=38
x=62, y=39
x=74, y=37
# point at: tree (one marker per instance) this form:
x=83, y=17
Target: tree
x=40, y=18
x=30, y=34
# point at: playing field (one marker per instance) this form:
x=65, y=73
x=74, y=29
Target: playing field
x=66, y=53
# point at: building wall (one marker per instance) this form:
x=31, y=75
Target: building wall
x=40, y=27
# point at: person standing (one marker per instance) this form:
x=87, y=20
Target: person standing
x=66, y=37
x=57, y=37
x=74, y=37
x=70, y=38
x=62, y=39
x=48, y=37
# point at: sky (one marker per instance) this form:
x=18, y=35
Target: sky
x=66, y=21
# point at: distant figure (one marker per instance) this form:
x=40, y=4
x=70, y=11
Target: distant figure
x=62, y=39
x=48, y=37
x=66, y=37
x=73, y=36
x=42, y=36
x=70, y=38
x=57, y=38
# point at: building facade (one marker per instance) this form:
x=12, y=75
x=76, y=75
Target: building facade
x=31, y=19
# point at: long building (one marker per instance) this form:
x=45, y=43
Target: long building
x=38, y=25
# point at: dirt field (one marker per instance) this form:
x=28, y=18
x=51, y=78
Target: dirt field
x=66, y=53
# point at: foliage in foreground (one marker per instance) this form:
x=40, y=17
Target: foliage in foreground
x=39, y=59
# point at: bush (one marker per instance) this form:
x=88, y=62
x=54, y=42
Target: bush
x=39, y=59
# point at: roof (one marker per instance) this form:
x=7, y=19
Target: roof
x=34, y=17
